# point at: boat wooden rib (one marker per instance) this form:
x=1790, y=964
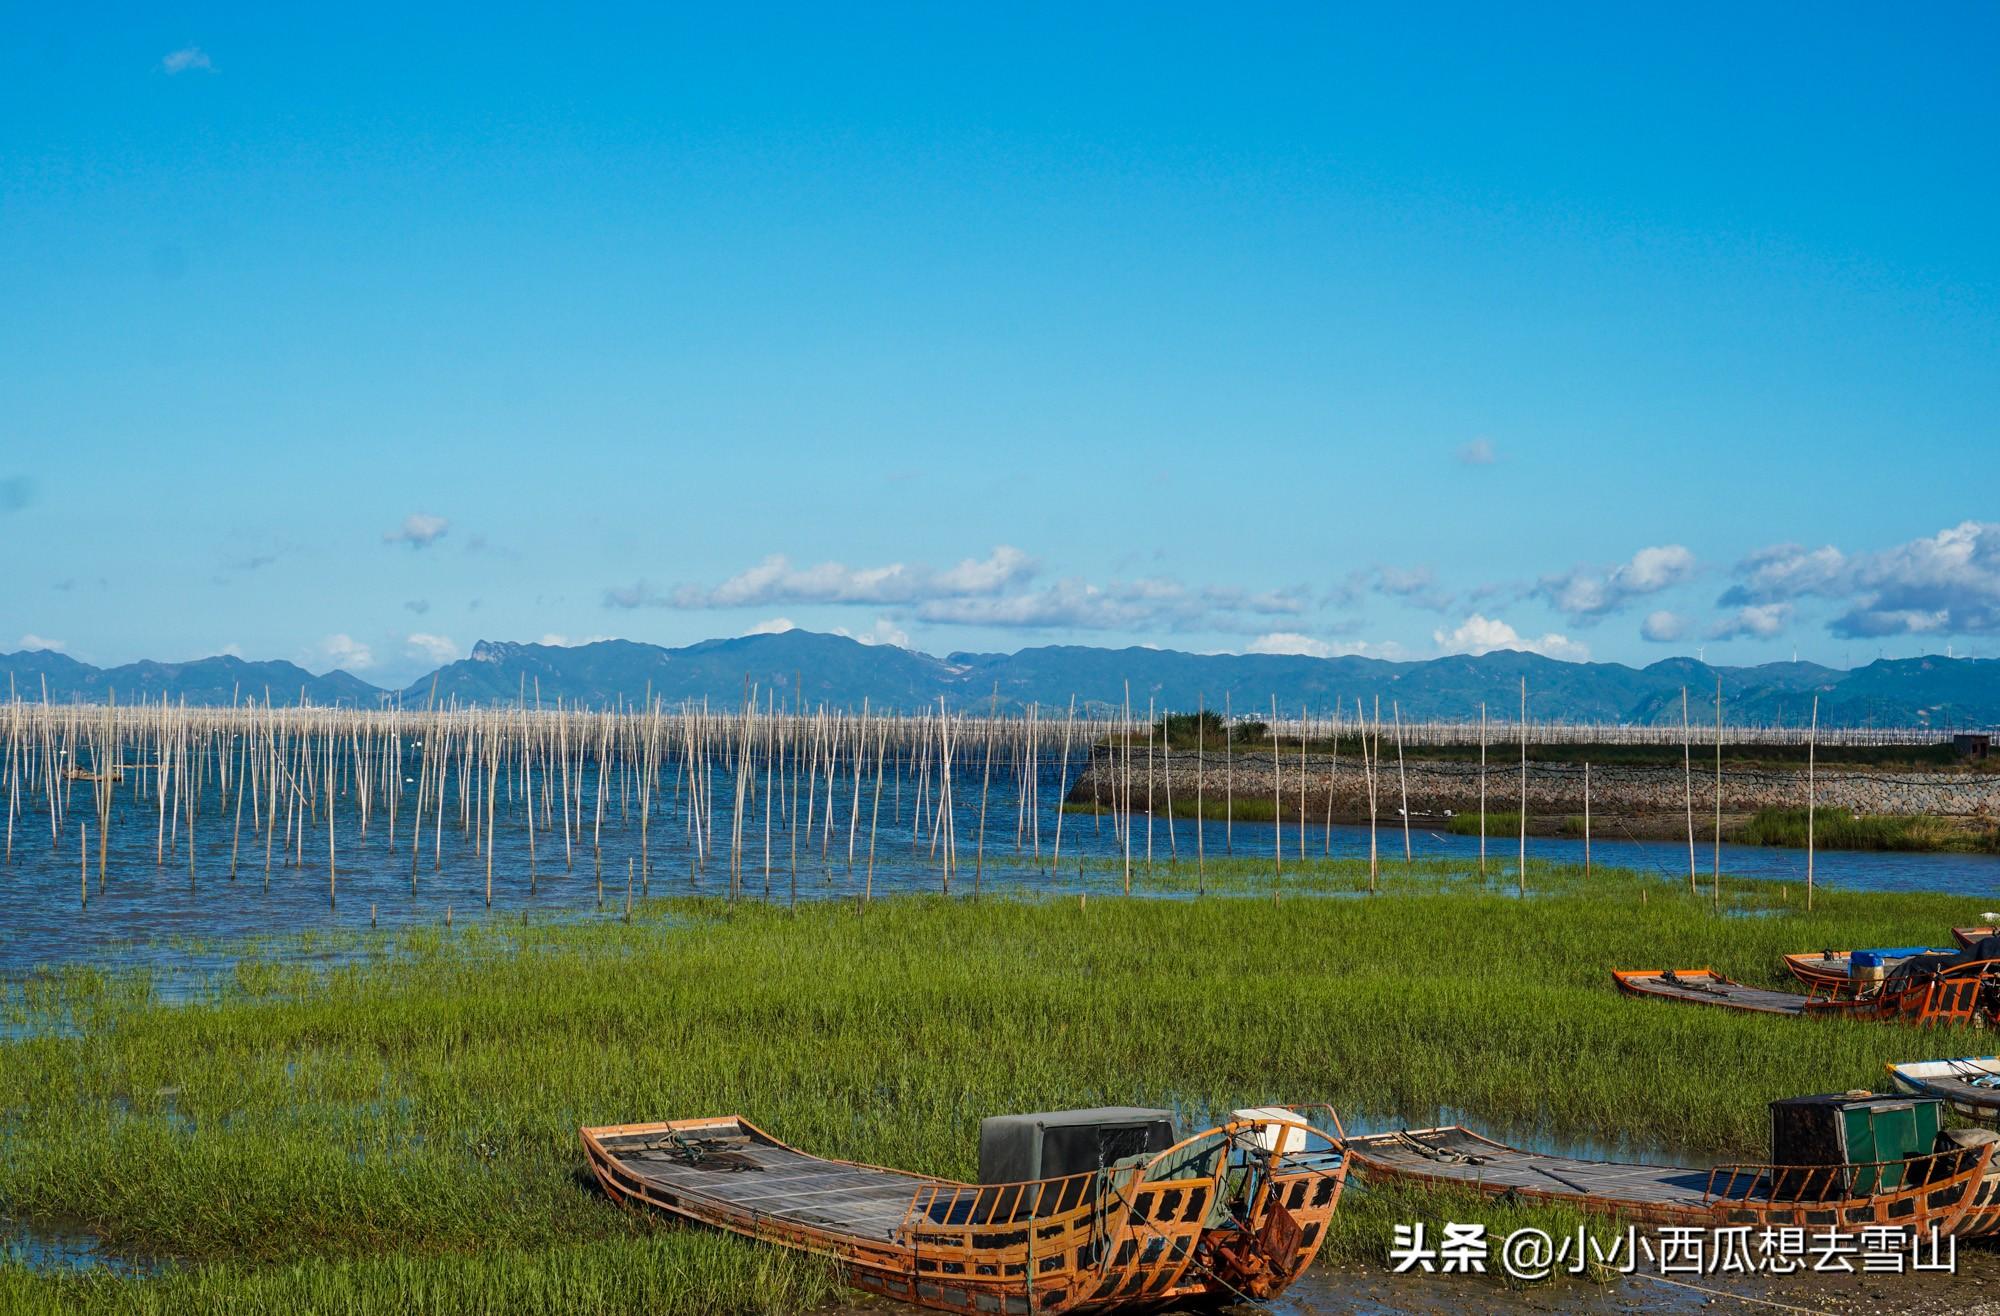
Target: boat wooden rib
x=1969, y=1085
x=1236, y=1211
x=1957, y=995
x=1954, y=1190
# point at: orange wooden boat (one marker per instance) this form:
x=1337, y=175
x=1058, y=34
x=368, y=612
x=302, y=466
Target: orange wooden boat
x=1953, y=1189
x=1959, y=994
x=1834, y=968
x=1970, y=937
x=1236, y=1211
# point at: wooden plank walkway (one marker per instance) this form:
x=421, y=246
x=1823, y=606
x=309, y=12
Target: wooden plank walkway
x=718, y=1163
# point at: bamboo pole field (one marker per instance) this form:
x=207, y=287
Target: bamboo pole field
x=504, y=791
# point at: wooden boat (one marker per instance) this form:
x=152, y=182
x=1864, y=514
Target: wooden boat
x=1970, y=937
x=1957, y=994
x=1830, y=968
x=1969, y=1085
x=1236, y=1211
x=1955, y=1189
x=1704, y=986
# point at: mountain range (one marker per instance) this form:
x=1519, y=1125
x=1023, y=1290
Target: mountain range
x=832, y=669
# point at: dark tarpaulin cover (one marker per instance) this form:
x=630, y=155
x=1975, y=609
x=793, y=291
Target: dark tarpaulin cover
x=1050, y=1144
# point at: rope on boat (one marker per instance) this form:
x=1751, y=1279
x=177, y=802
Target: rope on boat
x=1734, y=1297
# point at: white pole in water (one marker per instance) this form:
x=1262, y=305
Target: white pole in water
x=1812, y=748
x=1482, y=789
x=1586, y=817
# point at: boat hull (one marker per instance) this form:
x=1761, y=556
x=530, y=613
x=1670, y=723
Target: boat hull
x=1958, y=1193
x=1954, y=1083
x=1954, y=997
x=1126, y=1239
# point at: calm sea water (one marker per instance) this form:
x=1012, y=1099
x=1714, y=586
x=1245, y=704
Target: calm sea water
x=165, y=914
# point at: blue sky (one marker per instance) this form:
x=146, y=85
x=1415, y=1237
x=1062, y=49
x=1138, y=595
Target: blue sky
x=355, y=337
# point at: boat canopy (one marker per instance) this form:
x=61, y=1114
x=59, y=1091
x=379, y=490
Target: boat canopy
x=1051, y=1144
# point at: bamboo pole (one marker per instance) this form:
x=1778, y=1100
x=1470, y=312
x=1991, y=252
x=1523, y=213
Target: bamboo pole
x=1402, y=781
x=1687, y=777
x=1521, y=870
x=1812, y=801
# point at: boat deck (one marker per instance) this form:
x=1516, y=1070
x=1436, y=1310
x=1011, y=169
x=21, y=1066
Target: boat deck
x=1971, y=1082
x=1462, y=1156
x=728, y=1163
x=1706, y=987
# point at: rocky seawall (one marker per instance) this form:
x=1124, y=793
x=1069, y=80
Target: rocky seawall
x=1552, y=788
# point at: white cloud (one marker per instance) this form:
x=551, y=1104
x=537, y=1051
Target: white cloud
x=1588, y=592
x=1756, y=620
x=187, y=59
x=1414, y=585
x=1308, y=646
x=1785, y=571
x=556, y=640
x=343, y=650
x=772, y=626
x=419, y=530
x=1663, y=627
x=884, y=632
x=40, y=644
x=1479, y=452
x=991, y=591
x=776, y=580
x=1291, y=642
x=1479, y=634
x=1946, y=583
x=439, y=649
x=231, y=650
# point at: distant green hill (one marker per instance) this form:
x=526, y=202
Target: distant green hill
x=813, y=668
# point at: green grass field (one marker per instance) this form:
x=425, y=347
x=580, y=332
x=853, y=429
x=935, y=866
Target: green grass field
x=399, y=1133
x=1836, y=829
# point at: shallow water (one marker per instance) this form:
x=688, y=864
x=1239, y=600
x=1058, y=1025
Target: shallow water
x=155, y=911
x=47, y=1247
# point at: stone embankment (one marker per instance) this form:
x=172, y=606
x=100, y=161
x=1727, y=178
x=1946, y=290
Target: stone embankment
x=1435, y=786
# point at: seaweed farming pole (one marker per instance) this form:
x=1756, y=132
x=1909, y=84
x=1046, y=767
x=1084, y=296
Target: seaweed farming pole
x=1402, y=781
x=1277, y=808
x=1482, y=788
x=1332, y=780
x=1149, y=788
x=854, y=791
x=1812, y=746
x=1228, y=779
x=1127, y=719
x=1200, y=771
x=1305, y=727
x=1368, y=761
x=1717, y=884
x=985, y=784
x=332, y=880
x=1521, y=869
x=1586, y=817
x=1062, y=784
x=1277, y=805
x=1687, y=779
x=875, y=812
x=944, y=796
